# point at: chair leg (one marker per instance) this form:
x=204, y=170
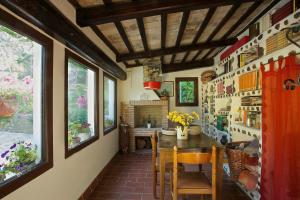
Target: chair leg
x=154, y=184
x=200, y=168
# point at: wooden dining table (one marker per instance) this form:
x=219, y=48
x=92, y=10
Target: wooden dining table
x=200, y=142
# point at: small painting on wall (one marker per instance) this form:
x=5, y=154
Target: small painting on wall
x=187, y=91
x=166, y=87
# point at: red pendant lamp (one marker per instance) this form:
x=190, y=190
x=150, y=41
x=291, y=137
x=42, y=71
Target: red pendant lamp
x=152, y=74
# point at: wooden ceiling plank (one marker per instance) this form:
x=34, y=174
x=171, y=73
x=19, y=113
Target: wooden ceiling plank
x=74, y=3
x=248, y=13
x=174, y=50
x=173, y=58
x=143, y=33
x=124, y=36
x=200, y=31
x=118, y=12
x=209, y=52
x=166, y=68
x=104, y=39
x=185, y=57
x=224, y=20
x=204, y=24
x=269, y=7
x=183, y=24
x=244, y=17
x=196, y=55
x=163, y=30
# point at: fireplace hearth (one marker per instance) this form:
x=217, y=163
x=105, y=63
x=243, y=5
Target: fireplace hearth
x=137, y=113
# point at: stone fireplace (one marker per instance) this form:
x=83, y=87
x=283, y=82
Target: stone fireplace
x=136, y=114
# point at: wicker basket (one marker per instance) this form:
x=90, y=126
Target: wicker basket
x=236, y=159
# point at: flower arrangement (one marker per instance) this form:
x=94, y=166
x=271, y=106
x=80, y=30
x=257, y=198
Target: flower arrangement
x=76, y=128
x=184, y=119
x=18, y=158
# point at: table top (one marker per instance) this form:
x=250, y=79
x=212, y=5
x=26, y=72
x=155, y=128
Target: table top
x=194, y=142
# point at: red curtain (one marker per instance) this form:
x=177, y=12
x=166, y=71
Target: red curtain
x=280, y=178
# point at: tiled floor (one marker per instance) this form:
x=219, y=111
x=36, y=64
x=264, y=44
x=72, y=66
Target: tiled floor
x=130, y=178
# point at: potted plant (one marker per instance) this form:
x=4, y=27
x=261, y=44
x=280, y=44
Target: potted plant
x=164, y=95
x=149, y=122
x=19, y=158
x=73, y=133
x=84, y=131
x=184, y=120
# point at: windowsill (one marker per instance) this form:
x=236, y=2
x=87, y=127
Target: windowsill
x=108, y=130
x=69, y=152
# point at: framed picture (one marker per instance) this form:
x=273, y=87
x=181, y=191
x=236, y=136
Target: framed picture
x=187, y=91
x=167, y=86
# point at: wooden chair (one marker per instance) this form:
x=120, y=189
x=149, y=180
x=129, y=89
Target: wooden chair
x=155, y=161
x=193, y=182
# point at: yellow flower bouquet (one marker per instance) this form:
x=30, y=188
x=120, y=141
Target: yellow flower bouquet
x=185, y=120
x=181, y=118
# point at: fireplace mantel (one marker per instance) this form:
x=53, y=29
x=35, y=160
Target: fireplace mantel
x=148, y=102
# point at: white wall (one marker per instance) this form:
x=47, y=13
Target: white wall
x=68, y=178
x=132, y=88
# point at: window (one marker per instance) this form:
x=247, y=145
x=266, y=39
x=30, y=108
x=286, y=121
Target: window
x=25, y=103
x=187, y=91
x=81, y=103
x=109, y=103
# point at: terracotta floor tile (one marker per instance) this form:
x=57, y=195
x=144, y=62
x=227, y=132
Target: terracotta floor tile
x=130, y=178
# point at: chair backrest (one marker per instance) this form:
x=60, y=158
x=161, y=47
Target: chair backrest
x=195, y=157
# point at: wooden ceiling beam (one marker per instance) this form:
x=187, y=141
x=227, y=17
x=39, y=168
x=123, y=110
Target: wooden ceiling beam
x=182, y=27
x=166, y=68
x=243, y=18
x=246, y=15
x=224, y=21
x=163, y=30
x=104, y=39
x=48, y=18
x=124, y=36
x=118, y=12
x=219, y=27
x=251, y=10
x=174, y=50
x=141, y=27
x=200, y=31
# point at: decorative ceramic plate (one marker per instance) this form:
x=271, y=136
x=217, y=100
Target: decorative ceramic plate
x=169, y=131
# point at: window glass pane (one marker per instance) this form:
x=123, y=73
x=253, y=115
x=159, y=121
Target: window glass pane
x=20, y=104
x=109, y=103
x=81, y=103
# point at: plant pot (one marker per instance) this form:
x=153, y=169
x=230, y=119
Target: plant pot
x=2, y=177
x=148, y=125
x=164, y=98
x=182, y=134
x=83, y=136
x=76, y=140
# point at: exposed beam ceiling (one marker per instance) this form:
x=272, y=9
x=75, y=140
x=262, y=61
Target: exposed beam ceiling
x=117, y=12
x=174, y=32
x=174, y=50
